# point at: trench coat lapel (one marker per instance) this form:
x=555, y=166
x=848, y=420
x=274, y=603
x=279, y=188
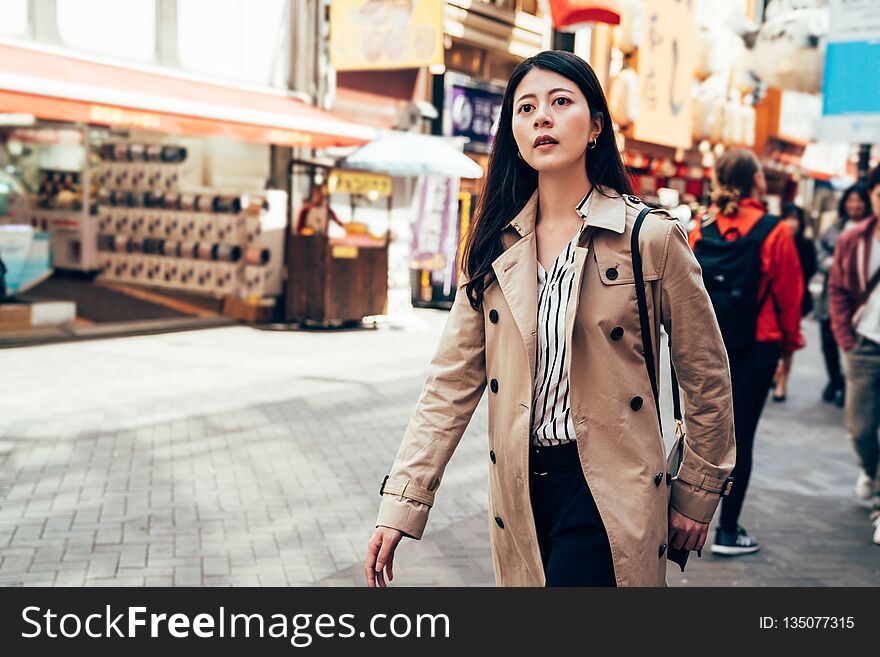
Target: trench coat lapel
x=517, y=273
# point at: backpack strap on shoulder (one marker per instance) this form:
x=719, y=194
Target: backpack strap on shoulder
x=709, y=227
x=761, y=230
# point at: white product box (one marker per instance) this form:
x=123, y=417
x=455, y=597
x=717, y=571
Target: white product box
x=170, y=275
x=171, y=225
x=121, y=267
x=187, y=227
x=138, y=177
x=152, y=269
x=186, y=272
x=121, y=176
x=121, y=221
x=205, y=229
x=137, y=268
x=204, y=276
x=154, y=223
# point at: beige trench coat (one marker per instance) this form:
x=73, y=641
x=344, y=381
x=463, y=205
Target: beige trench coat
x=621, y=449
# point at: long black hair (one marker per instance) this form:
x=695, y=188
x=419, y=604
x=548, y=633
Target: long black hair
x=797, y=212
x=510, y=181
x=860, y=190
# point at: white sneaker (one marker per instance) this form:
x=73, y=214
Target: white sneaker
x=865, y=487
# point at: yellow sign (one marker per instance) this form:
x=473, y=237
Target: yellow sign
x=353, y=182
x=385, y=34
x=344, y=252
x=666, y=71
x=465, y=199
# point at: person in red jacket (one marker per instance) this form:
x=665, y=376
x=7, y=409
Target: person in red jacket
x=737, y=207
x=854, y=303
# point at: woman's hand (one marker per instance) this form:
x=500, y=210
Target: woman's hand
x=380, y=556
x=686, y=533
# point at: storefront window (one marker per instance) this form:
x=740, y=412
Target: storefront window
x=14, y=19
x=126, y=30
x=233, y=39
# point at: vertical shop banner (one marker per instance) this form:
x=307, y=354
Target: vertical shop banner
x=471, y=109
x=851, y=87
x=435, y=231
x=666, y=68
x=385, y=34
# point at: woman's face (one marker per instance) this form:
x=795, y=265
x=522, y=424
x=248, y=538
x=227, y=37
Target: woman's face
x=546, y=103
x=874, y=195
x=854, y=207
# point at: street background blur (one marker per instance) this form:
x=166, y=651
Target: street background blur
x=230, y=234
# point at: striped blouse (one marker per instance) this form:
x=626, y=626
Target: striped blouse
x=551, y=407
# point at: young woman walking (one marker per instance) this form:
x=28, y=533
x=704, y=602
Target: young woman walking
x=548, y=317
x=771, y=325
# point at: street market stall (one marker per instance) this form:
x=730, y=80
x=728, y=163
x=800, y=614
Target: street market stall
x=155, y=185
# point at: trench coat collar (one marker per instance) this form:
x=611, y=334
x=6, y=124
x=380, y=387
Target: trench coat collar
x=607, y=210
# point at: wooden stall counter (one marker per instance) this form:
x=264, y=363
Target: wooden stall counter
x=337, y=279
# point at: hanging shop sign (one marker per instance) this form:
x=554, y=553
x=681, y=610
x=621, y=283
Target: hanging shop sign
x=851, y=104
x=567, y=14
x=355, y=182
x=435, y=231
x=385, y=34
x=471, y=109
x=666, y=68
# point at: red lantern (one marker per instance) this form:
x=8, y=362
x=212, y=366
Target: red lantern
x=567, y=13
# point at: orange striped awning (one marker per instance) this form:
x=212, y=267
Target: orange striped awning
x=61, y=87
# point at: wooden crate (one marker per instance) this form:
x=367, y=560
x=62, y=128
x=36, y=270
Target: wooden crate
x=332, y=282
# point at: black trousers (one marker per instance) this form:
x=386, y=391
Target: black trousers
x=750, y=379
x=831, y=352
x=573, y=541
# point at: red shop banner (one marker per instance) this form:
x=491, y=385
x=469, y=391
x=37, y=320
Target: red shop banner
x=567, y=13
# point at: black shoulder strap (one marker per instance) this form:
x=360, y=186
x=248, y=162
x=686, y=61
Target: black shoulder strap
x=761, y=230
x=645, y=323
x=709, y=228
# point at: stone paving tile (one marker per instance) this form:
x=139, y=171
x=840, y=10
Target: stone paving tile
x=236, y=457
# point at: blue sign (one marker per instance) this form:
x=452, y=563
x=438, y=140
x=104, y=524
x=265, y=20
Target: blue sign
x=851, y=89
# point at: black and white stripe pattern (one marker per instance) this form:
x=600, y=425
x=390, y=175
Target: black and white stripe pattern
x=551, y=408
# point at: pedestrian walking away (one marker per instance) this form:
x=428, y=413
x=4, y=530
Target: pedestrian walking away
x=751, y=268
x=854, y=302
x=548, y=316
x=793, y=216
x=854, y=206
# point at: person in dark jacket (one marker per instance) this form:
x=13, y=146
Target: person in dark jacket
x=793, y=217
x=854, y=206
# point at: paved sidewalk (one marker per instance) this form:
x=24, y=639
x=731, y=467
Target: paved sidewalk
x=242, y=457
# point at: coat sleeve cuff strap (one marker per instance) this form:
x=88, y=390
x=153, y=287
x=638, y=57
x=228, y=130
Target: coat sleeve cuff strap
x=408, y=489
x=704, y=481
